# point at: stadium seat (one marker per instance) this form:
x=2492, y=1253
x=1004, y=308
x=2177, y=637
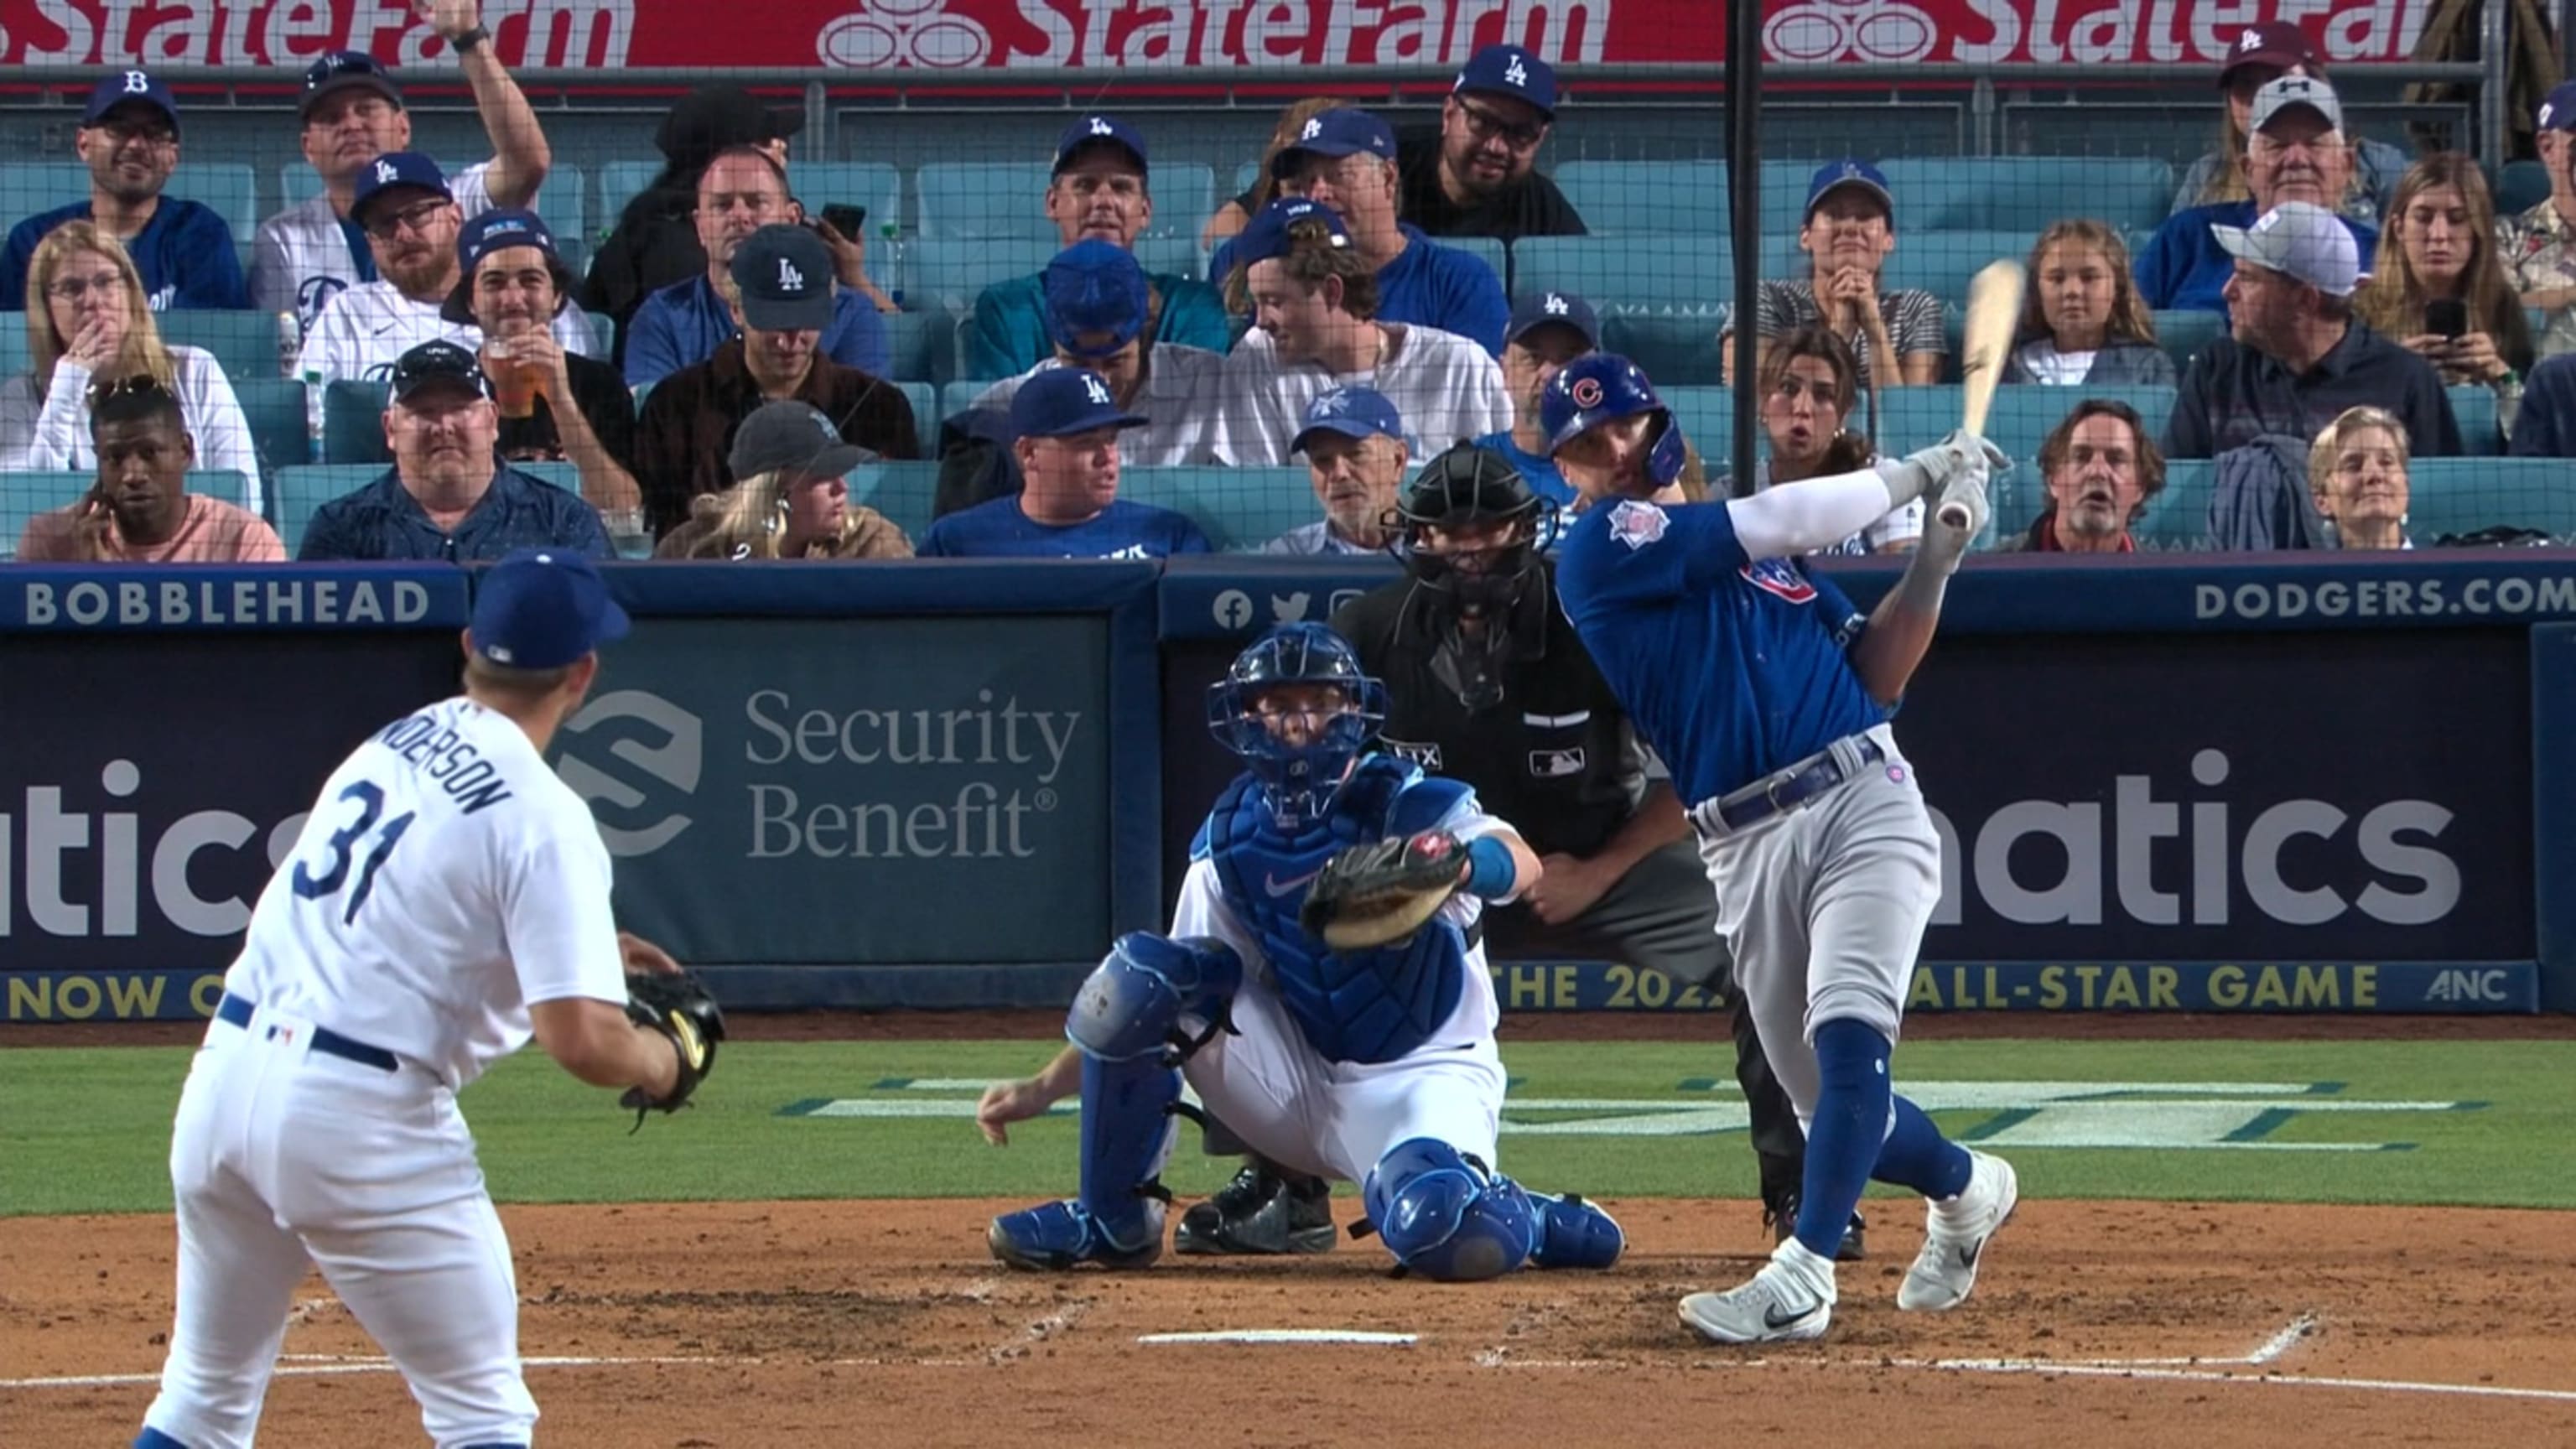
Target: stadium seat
x=2024, y=414
x=2178, y=517
x=923, y=346
x=1707, y=416
x=1941, y=262
x=564, y=203
x=2025, y=193
x=2184, y=334
x=353, y=425
x=2448, y=496
x=274, y=409
x=1676, y=350
x=957, y=397
x=24, y=495
x=14, y=356
x=1689, y=198
x=619, y=183
x=903, y=492
x=872, y=184
x=245, y=343
x=1656, y=274
x=999, y=199
x=1240, y=508
x=1913, y=417
x=924, y=398
x=2481, y=436
x=2520, y=186
x=1485, y=249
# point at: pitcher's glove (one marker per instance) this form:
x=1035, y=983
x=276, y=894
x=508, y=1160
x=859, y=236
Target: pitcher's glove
x=1370, y=895
x=681, y=1009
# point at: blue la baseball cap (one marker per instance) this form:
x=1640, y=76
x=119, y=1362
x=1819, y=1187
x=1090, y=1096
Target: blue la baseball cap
x=1098, y=130
x=345, y=70
x=394, y=171
x=1353, y=412
x=496, y=231
x=1554, y=309
x=1342, y=132
x=785, y=273
x=2558, y=108
x=1266, y=235
x=1094, y=288
x=1833, y=176
x=130, y=88
x=1509, y=70
x=1059, y=402
x=543, y=608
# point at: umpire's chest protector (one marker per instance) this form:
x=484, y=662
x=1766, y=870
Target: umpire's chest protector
x=1352, y=1006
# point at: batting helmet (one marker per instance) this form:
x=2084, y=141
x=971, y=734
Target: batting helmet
x=1605, y=387
x=1298, y=777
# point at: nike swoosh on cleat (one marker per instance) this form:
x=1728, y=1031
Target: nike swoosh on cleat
x=1771, y=1318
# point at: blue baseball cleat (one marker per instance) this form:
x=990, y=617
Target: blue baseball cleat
x=1056, y=1236
x=1573, y=1233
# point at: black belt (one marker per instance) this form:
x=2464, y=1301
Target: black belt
x=238, y=1009
x=1785, y=791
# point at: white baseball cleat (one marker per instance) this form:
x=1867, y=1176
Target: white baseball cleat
x=1957, y=1235
x=1791, y=1299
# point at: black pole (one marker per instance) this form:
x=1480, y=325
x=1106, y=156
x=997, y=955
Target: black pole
x=1744, y=213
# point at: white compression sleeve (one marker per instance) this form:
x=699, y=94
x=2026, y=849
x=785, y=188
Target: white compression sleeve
x=1796, y=518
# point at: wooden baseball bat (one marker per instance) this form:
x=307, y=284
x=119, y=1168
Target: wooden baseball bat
x=1994, y=307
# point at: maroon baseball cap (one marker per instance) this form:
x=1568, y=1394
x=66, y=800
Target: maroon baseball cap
x=2275, y=43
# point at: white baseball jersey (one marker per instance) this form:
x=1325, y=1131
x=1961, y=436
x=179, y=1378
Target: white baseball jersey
x=51, y=432
x=445, y=880
x=1183, y=397
x=367, y=328
x=1445, y=387
x=300, y=259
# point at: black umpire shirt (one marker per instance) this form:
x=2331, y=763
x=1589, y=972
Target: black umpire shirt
x=1556, y=758
x=1530, y=207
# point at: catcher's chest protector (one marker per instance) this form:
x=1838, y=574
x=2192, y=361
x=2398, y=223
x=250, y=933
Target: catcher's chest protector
x=1358, y=1006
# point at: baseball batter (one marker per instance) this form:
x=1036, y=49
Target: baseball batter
x=1375, y=1065
x=448, y=896
x=1768, y=697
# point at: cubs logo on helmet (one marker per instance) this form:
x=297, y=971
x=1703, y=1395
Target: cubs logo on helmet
x=1604, y=387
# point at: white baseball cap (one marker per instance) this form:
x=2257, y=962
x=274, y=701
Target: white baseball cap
x=2290, y=92
x=2298, y=239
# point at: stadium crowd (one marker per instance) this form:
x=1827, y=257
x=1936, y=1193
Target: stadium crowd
x=707, y=388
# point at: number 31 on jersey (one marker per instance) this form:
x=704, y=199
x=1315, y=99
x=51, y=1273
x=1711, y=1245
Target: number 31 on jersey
x=371, y=807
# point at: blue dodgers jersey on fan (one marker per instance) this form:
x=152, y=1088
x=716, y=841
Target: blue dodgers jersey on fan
x=1731, y=668
x=998, y=529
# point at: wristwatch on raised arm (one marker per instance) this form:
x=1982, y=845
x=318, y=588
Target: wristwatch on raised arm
x=467, y=42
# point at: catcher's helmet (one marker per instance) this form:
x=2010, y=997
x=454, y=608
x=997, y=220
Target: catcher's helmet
x=1605, y=387
x=1461, y=488
x=1298, y=778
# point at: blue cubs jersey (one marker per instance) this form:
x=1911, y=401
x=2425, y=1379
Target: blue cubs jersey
x=1731, y=668
x=998, y=529
x=1351, y=1006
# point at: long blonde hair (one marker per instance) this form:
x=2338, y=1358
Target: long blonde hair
x=2393, y=300
x=2129, y=320
x=141, y=352
x=747, y=521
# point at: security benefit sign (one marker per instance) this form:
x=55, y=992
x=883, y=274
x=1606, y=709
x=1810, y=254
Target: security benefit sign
x=854, y=792
x=2352, y=797
x=149, y=786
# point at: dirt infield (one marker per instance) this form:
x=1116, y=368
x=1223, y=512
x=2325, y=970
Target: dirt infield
x=849, y=1323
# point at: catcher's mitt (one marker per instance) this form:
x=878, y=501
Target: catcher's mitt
x=1370, y=895
x=680, y=1008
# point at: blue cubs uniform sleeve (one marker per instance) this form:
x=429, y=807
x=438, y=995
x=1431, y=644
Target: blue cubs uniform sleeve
x=1193, y=315
x=1835, y=607
x=1633, y=550
x=203, y=264
x=859, y=335
x=653, y=344
x=1009, y=335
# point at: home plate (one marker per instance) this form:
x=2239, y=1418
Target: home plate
x=1280, y=1335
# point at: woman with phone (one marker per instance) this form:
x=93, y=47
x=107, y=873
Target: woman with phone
x=2440, y=289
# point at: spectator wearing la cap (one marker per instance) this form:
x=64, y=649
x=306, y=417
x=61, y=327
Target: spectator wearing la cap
x=1547, y=332
x=2295, y=153
x=2538, y=247
x=2260, y=55
x=1317, y=325
x=791, y=499
x=352, y=112
x=782, y=300
x=1478, y=175
x=1100, y=190
x=414, y=230
x=2298, y=356
x=1098, y=304
x=1068, y=424
x=129, y=139
x=1353, y=443
x=1344, y=160
x=1847, y=232
x=448, y=497
x=577, y=408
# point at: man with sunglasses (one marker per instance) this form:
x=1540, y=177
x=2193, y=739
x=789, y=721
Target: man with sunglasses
x=352, y=112
x=129, y=139
x=1479, y=175
x=412, y=221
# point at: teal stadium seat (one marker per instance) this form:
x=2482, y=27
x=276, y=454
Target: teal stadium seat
x=564, y=203
x=34, y=186
x=923, y=346
x=1689, y=198
x=1941, y=262
x=245, y=343
x=903, y=492
x=1485, y=249
x=2185, y=334
x=1707, y=418
x=353, y=424
x=924, y=399
x=957, y=397
x=1687, y=275
x=2178, y=517
x=274, y=409
x=619, y=182
x=1675, y=349
x=2449, y=496
x=1239, y=508
x=2025, y=193
x=2481, y=435
x=2520, y=186
x=872, y=184
x=14, y=355
x=24, y=495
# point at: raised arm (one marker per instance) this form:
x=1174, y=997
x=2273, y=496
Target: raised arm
x=520, y=155
x=1900, y=628
x=1785, y=522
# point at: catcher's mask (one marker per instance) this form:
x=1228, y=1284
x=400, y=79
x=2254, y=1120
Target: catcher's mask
x=1298, y=777
x=1475, y=488
x=1603, y=388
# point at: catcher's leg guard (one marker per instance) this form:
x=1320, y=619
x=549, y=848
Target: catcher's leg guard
x=1128, y=1019
x=1446, y=1215
x=1573, y=1233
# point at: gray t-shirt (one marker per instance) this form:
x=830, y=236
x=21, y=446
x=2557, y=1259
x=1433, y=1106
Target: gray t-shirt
x=1913, y=319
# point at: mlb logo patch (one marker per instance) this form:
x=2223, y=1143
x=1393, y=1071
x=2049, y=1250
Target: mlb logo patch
x=1555, y=764
x=1638, y=524
x=1781, y=578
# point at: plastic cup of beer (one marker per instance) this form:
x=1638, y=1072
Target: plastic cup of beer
x=514, y=382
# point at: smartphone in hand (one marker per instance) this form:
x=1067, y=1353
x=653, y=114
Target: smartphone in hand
x=2447, y=317
x=849, y=221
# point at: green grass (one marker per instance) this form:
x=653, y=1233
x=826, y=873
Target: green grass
x=87, y=1130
